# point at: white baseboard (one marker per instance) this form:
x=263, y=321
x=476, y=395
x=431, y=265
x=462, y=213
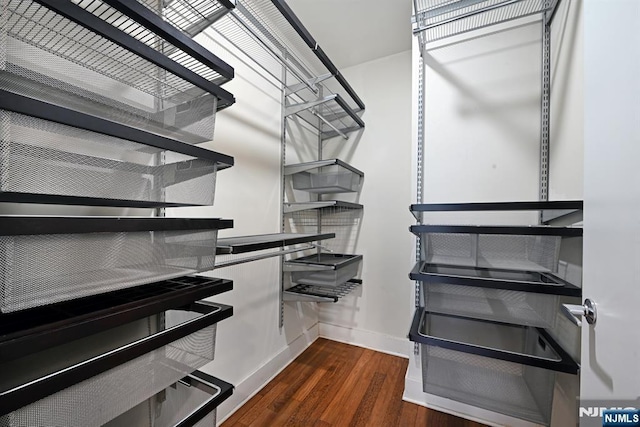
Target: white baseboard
x=259, y=378
x=367, y=339
x=413, y=393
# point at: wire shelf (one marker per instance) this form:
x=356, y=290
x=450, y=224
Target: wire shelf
x=152, y=39
x=270, y=34
x=330, y=115
x=321, y=293
x=439, y=19
x=190, y=16
x=62, y=61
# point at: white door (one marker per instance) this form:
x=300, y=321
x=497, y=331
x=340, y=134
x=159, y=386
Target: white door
x=610, y=366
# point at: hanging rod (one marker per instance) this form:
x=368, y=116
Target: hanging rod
x=262, y=256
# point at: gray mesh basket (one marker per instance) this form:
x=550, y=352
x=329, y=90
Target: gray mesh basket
x=330, y=269
x=502, y=305
x=325, y=176
x=102, y=398
x=51, y=58
x=37, y=270
x=519, y=390
x=499, y=251
x=328, y=179
x=171, y=407
x=40, y=157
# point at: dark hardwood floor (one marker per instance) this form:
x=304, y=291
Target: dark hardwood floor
x=335, y=384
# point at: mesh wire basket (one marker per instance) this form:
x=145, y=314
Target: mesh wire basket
x=46, y=158
x=518, y=390
x=327, y=179
x=509, y=252
x=37, y=270
x=99, y=399
x=344, y=268
x=48, y=57
x=167, y=409
x=501, y=305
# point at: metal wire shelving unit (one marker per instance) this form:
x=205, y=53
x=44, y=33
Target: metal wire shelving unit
x=472, y=292
x=438, y=19
x=269, y=32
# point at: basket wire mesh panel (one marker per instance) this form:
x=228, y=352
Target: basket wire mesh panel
x=43, y=269
x=167, y=409
x=327, y=179
x=151, y=39
x=102, y=398
x=344, y=222
x=190, y=16
x=441, y=19
x=520, y=391
x=46, y=158
x=342, y=270
x=510, y=388
x=502, y=305
x=50, y=58
x=509, y=252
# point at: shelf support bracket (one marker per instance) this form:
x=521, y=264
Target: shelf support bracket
x=290, y=90
x=296, y=108
x=295, y=297
x=328, y=123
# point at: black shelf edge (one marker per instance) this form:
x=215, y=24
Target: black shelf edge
x=564, y=288
x=45, y=327
x=55, y=199
x=566, y=364
x=25, y=394
x=499, y=206
x=92, y=23
x=155, y=23
x=45, y=111
x=334, y=203
x=36, y=225
x=219, y=389
x=244, y=244
x=340, y=101
x=499, y=229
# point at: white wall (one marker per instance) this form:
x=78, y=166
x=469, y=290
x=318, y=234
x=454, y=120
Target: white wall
x=250, y=346
x=375, y=316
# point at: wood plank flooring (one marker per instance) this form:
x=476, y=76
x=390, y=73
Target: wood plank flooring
x=335, y=384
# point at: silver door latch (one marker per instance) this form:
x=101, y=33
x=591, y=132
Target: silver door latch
x=587, y=310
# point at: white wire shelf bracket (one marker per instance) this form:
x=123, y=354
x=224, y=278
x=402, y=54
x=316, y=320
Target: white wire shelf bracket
x=438, y=19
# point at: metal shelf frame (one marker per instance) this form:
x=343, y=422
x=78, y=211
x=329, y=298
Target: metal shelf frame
x=435, y=20
x=270, y=33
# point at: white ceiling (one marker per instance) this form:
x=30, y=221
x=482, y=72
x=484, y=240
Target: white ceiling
x=355, y=31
